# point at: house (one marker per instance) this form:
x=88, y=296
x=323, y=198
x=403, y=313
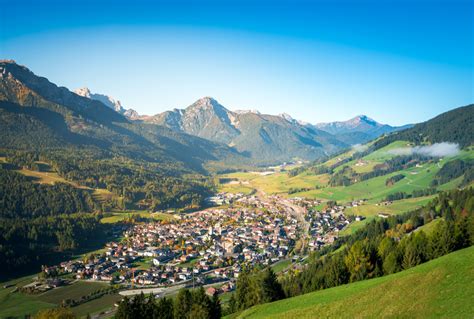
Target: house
x=211, y=291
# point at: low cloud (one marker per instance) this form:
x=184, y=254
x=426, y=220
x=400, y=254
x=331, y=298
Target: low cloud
x=435, y=150
x=359, y=147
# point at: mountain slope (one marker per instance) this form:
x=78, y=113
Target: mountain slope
x=264, y=138
x=36, y=114
x=438, y=288
x=359, y=129
x=455, y=126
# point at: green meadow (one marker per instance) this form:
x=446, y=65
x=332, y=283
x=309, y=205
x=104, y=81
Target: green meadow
x=441, y=288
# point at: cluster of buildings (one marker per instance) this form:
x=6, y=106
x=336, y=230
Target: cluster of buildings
x=212, y=245
x=325, y=224
x=203, y=247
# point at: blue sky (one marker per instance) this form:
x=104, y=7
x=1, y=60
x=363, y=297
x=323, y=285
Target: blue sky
x=396, y=61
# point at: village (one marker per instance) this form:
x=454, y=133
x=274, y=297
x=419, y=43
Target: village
x=210, y=246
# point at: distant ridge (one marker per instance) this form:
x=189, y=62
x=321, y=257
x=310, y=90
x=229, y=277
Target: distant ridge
x=359, y=129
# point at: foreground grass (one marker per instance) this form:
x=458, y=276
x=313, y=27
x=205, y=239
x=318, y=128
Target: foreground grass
x=440, y=288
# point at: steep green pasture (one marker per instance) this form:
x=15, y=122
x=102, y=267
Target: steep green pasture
x=441, y=288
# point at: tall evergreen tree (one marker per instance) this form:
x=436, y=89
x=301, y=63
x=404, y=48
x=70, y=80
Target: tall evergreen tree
x=271, y=288
x=182, y=304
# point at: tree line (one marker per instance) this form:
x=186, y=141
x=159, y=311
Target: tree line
x=454, y=169
x=192, y=304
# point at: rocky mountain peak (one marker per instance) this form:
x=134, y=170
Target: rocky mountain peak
x=359, y=119
x=207, y=104
x=108, y=101
x=85, y=92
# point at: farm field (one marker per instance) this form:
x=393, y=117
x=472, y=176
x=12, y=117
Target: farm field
x=30, y=304
x=276, y=183
x=397, y=207
x=439, y=288
x=120, y=216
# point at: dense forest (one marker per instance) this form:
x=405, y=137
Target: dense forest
x=139, y=184
x=19, y=197
x=38, y=223
x=28, y=243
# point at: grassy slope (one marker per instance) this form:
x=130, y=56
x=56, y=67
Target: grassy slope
x=440, y=288
x=417, y=178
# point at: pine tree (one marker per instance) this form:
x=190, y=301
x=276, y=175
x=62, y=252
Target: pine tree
x=271, y=288
x=216, y=309
x=124, y=310
x=182, y=304
x=165, y=308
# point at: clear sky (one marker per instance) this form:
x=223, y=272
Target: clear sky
x=395, y=61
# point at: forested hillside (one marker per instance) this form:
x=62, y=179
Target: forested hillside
x=40, y=222
x=455, y=126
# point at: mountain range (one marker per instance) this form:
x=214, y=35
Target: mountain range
x=204, y=131
x=260, y=136
x=359, y=129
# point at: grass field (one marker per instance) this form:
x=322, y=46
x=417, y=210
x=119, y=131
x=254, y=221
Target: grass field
x=119, y=216
x=44, y=177
x=428, y=228
x=16, y=304
x=276, y=183
x=281, y=265
x=74, y=291
x=441, y=288
x=49, y=176
x=417, y=178
x=397, y=207
x=371, y=210
x=103, y=303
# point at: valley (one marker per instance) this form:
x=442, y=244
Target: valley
x=242, y=208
